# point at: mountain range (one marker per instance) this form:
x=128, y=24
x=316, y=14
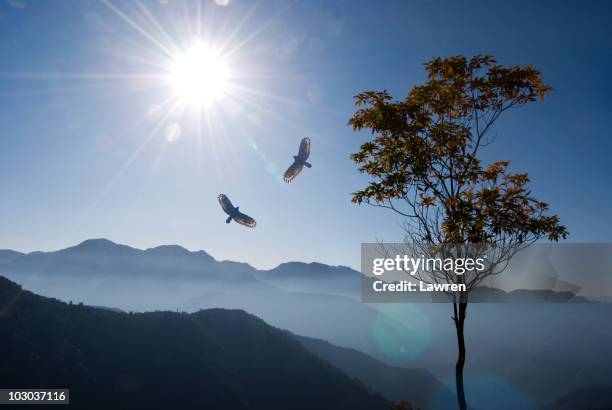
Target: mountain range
x=527, y=353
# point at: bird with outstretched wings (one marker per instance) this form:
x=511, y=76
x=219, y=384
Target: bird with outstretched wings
x=299, y=161
x=234, y=213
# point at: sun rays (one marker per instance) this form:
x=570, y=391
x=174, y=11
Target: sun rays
x=196, y=78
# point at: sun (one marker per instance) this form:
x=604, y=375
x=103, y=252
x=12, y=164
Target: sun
x=199, y=76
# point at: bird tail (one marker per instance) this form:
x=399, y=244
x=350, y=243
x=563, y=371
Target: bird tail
x=307, y=164
x=228, y=220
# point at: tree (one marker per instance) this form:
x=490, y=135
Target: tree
x=424, y=163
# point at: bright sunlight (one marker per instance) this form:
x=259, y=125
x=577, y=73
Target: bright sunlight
x=199, y=76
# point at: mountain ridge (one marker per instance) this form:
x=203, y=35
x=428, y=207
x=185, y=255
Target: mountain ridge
x=9, y=255
x=104, y=244
x=104, y=257
x=165, y=359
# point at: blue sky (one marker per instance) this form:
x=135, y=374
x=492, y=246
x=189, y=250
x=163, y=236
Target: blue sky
x=84, y=118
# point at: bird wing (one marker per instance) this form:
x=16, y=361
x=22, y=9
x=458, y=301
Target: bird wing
x=226, y=204
x=244, y=219
x=304, y=152
x=293, y=171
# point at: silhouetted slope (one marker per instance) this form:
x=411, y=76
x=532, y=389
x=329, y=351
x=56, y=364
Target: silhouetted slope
x=418, y=386
x=213, y=359
x=592, y=398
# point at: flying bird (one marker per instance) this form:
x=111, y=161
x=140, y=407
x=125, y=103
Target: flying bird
x=234, y=213
x=299, y=161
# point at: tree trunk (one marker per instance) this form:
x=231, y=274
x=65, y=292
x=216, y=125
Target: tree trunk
x=460, y=309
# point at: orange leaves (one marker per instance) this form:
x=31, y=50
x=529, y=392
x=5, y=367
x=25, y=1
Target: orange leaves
x=494, y=170
x=425, y=147
x=543, y=206
x=427, y=201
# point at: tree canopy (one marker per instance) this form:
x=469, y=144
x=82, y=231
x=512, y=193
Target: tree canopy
x=424, y=159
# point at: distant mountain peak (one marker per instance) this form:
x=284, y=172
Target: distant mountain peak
x=310, y=269
x=177, y=251
x=168, y=249
x=97, y=243
x=7, y=255
x=303, y=265
x=103, y=258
